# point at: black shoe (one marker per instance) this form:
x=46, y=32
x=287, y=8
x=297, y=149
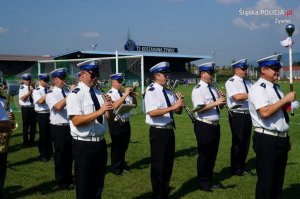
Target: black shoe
x=117, y=173
x=206, y=188
x=67, y=187
x=216, y=185
x=44, y=159
x=240, y=173
x=126, y=169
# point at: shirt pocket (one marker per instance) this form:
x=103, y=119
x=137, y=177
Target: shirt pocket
x=208, y=98
x=88, y=107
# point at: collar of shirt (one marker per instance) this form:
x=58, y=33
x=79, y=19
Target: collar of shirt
x=203, y=83
x=114, y=90
x=158, y=86
x=84, y=87
x=237, y=78
x=55, y=88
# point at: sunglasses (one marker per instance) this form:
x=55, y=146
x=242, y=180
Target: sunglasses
x=243, y=68
x=93, y=74
x=210, y=72
x=275, y=68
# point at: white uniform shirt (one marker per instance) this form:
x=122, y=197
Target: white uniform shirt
x=263, y=94
x=3, y=112
x=234, y=86
x=23, y=91
x=79, y=102
x=114, y=94
x=36, y=95
x=202, y=96
x=155, y=99
x=53, y=97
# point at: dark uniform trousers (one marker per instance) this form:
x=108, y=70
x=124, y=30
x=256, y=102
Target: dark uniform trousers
x=120, y=136
x=45, y=141
x=90, y=168
x=3, y=168
x=162, y=143
x=271, y=158
x=29, y=124
x=208, y=139
x=63, y=157
x=240, y=125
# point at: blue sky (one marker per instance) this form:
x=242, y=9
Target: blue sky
x=196, y=27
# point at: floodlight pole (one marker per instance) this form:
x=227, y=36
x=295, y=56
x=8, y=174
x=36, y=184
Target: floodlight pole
x=290, y=28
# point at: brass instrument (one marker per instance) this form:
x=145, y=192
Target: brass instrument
x=186, y=108
x=133, y=92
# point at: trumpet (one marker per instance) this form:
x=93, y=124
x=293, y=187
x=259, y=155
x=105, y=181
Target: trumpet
x=133, y=92
x=186, y=108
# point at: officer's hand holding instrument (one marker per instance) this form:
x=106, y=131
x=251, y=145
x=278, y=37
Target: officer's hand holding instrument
x=180, y=96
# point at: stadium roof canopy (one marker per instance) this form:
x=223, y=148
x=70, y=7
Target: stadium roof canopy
x=177, y=61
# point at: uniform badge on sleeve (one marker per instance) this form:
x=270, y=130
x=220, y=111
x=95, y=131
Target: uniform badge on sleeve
x=263, y=85
x=76, y=90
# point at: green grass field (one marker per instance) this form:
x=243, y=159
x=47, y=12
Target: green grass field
x=27, y=177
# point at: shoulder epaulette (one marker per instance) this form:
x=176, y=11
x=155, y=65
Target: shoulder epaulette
x=76, y=90
x=3, y=97
x=38, y=88
x=110, y=91
x=198, y=86
x=151, y=89
x=151, y=85
x=21, y=87
x=263, y=85
x=231, y=79
x=49, y=91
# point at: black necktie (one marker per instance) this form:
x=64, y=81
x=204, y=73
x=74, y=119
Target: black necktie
x=169, y=104
x=96, y=104
x=45, y=89
x=63, y=92
x=245, y=85
x=30, y=97
x=286, y=116
x=121, y=95
x=214, y=98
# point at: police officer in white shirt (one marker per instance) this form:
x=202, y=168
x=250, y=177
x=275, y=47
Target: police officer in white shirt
x=270, y=140
x=60, y=129
x=160, y=103
x=88, y=113
x=207, y=127
x=237, y=89
x=43, y=118
x=119, y=128
x=27, y=109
